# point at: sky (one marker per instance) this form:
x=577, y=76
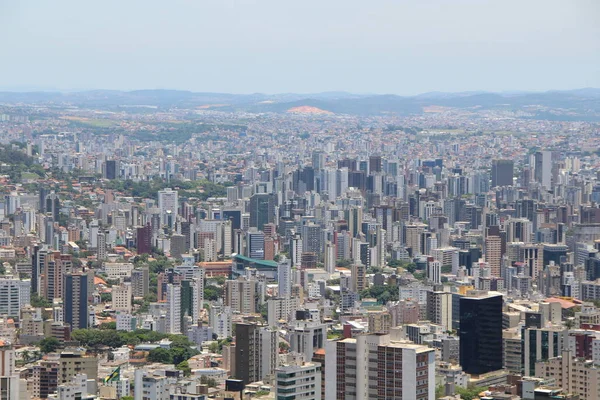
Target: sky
x=400, y=47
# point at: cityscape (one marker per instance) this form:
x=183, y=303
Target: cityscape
x=357, y=242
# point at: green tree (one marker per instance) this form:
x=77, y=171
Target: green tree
x=160, y=355
x=106, y=297
x=213, y=293
x=439, y=391
x=344, y=263
x=470, y=393
x=49, y=345
x=108, y=326
x=213, y=347
x=284, y=347
x=185, y=367
x=38, y=301
x=205, y=380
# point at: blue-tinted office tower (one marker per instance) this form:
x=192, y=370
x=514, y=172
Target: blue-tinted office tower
x=481, y=332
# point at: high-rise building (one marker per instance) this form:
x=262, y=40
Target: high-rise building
x=284, y=277
x=375, y=163
x=75, y=300
x=256, y=351
x=376, y=367
x=502, y=173
x=101, y=252
x=149, y=386
x=14, y=295
x=359, y=277
x=177, y=246
x=121, y=297
x=262, y=210
x=543, y=168
x=240, y=295
x=197, y=297
x=296, y=250
x=573, y=374
x=301, y=380
x=255, y=244
x=220, y=320
x=168, y=206
x=439, y=309
x=481, y=332
x=531, y=256
x=173, y=308
x=434, y=271
x=57, y=265
x=140, y=280
x=9, y=379
x=311, y=238
x=540, y=344
x=307, y=336
x=144, y=239
x=493, y=254
x=110, y=169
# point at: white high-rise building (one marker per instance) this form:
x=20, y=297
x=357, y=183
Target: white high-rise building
x=301, y=378
x=284, y=277
x=330, y=257
x=167, y=205
x=101, y=243
x=434, y=271
x=198, y=297
x=9, y=379
x=148, y=386
x=173, y=308
x=220, y=320
x=359, y=368
x=296, y=250
x=14, y=295
x=93, y=233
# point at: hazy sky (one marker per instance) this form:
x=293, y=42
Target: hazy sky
x=273, y=46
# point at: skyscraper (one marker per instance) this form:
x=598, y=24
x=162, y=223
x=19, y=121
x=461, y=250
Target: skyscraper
x=110, y=169
x=481, y=332
x=502, y=173
x=543, y=168
x=375, y=163
x=284, y=278
x=255, y=244
x=256, y=351
x=262, y=210
x=144, y=239
x=376, y=367
x=14, y=294
x=493, y=254
x=140, y=279
x=9, y=379
x=101, y=252
x=173, y=308
x=168, y=206
x=75, y=300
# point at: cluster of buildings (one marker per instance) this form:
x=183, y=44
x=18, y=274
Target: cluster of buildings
x=353, y=262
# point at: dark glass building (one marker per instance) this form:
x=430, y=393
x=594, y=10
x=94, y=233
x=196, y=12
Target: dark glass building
x=502, y=173
x=481, y=333
x=262, y=210
x=76, y=300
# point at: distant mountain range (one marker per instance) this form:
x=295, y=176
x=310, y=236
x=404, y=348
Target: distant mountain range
x=579, y=104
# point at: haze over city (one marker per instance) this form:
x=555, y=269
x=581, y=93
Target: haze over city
x=273, y=46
